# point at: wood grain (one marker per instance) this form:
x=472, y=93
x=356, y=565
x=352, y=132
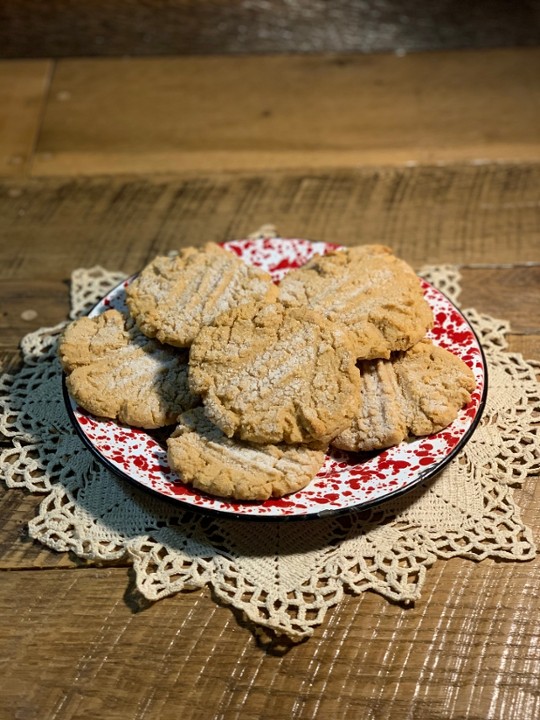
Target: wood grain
x=527, y=345
x=27, y=307
x=23, y=88
x=156, y=27
x=275, y=112
x=509, y=293
x=78, y=631
x=464, y=215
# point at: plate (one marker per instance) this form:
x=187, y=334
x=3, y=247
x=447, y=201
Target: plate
x=346, y=481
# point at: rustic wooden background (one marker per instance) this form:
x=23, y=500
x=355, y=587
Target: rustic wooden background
x=155, y=115
x=77, y=642
x=112, y=160
x=60, y=28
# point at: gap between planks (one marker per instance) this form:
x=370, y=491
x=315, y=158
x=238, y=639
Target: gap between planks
x=497, y=266
x=24, y=87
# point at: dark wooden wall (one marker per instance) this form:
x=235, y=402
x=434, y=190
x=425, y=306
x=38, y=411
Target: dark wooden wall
x=60, y=28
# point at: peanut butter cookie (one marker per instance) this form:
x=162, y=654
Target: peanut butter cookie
x=173, y=297
x=115, y=371
x=376, y=295
x=417, y=392
x=209, y=461
x=270, y=374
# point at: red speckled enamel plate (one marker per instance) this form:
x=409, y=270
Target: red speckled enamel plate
x=346, y=481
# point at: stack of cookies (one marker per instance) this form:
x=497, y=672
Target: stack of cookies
x=260, y=379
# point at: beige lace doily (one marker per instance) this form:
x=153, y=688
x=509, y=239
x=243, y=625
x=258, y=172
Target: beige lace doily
x=284, y=576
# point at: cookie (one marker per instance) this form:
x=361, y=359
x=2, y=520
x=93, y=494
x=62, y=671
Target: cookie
x=209, y=461
x=377, y=296
x=115, y=371
x=417, y=392
x=173, y=297
x=271, y=374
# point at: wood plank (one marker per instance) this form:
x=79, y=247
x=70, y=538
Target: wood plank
x=456, y=214
x=10, y=360
x=512, y=294
x=527, y=345
x=78, y=642
x=30, y=306
x=23, y=88
x=157, y=27
x=251, y=113
x=74, y=645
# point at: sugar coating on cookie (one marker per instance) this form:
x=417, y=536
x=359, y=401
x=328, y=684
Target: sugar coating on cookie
x=173, y=297
x=115, y=371
x=210, y=461
x=417, y=392
x=271, y=374
x=375, y=294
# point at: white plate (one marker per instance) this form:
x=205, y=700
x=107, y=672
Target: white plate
x=346, y=480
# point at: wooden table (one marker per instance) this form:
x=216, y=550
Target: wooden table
x=113, y=161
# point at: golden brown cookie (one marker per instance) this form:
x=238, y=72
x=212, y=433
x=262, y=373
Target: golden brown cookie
x=376, y=295
x=417, y=392
x=115, y=371
x=270, y=374
x=209, y=461
x=173, y=297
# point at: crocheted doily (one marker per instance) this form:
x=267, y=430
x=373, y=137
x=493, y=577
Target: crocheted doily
x=284, y=576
